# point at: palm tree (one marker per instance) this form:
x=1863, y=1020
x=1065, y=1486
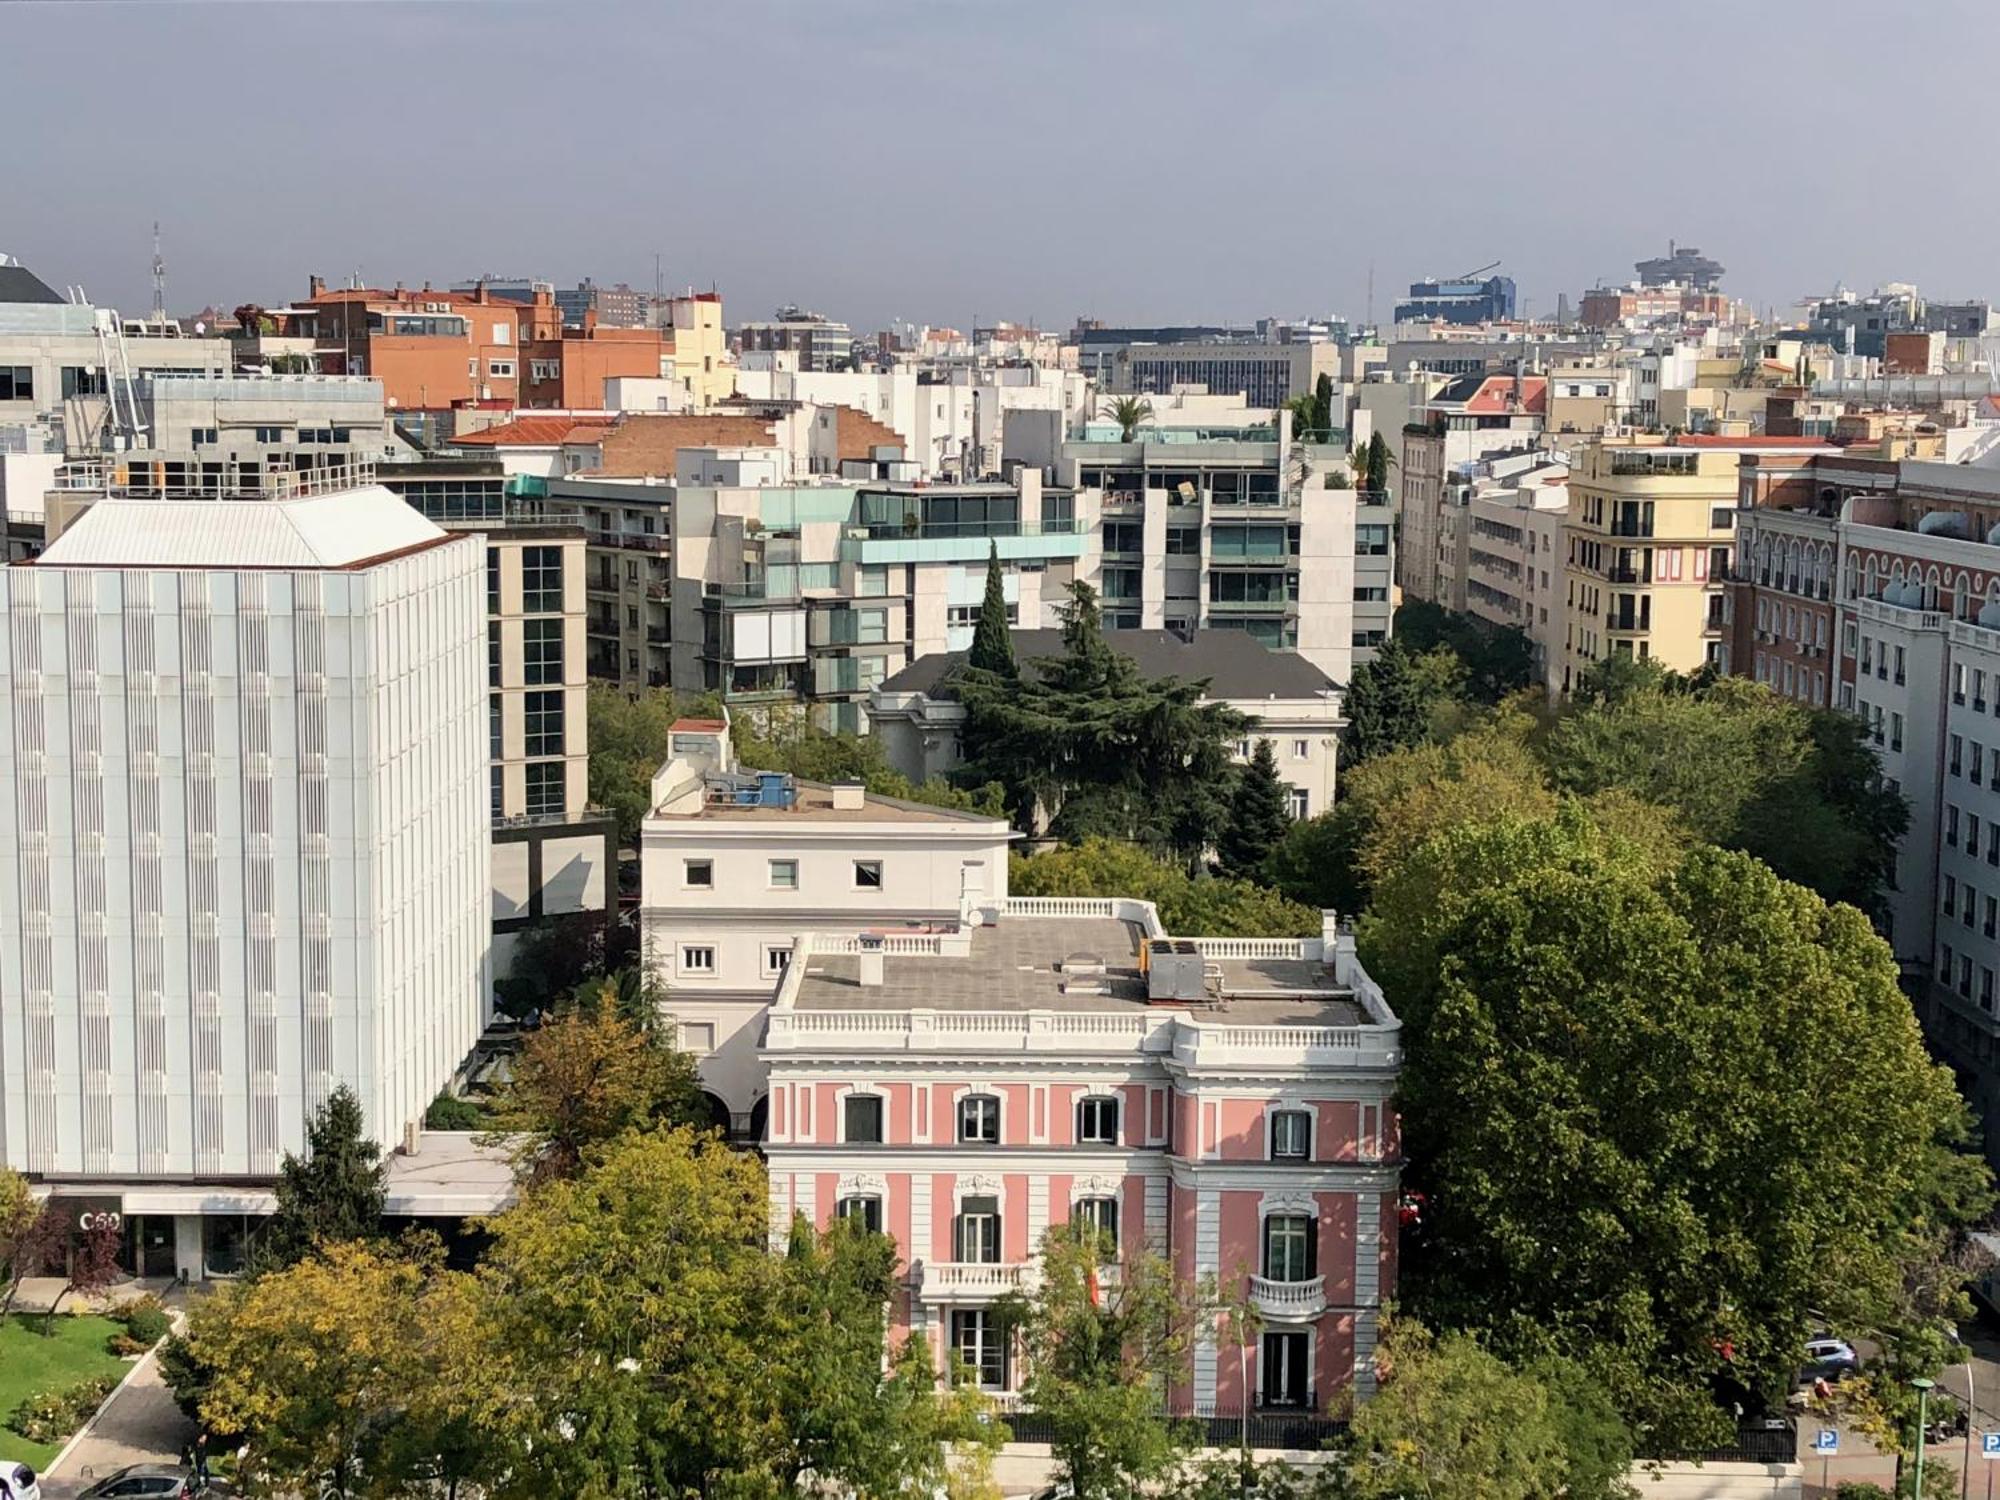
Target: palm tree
x=1129, y=412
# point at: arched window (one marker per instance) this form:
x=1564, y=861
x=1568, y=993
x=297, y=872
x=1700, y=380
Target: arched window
x=979, y=1119
x=1097, y=1120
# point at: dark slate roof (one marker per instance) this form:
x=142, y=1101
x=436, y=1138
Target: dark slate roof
x=1236, y=666
x=19, y=284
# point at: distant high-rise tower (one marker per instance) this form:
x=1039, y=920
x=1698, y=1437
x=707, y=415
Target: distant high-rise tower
x=1682, y=264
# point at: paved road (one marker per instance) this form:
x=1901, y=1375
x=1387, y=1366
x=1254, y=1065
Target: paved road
x=141, y=1424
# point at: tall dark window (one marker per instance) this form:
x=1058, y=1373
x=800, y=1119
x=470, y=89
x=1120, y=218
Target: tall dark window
x=17, y=382
x=863, y=1206
x=976, y=1336
x=495, y=740
x=492, y=580
x=544, y=723
x=1287, y=1369
x=1100, y=1214
x=1097, y=1121
x=541, y=652
x=979, y=1119
x=862, y=1116
x=541, y=580
x=493, y=653
x=975, y=1233
x=546, y=789
x=1289, y=1251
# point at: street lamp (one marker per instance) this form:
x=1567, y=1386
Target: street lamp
x=1923, y=1389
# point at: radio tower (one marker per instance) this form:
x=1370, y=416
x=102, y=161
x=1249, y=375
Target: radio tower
x=159, y=279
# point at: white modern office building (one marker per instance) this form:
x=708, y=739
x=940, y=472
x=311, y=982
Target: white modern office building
x=244, y=804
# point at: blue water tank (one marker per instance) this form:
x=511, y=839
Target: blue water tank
x=774, y=789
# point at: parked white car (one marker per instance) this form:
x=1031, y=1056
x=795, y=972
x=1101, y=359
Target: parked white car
x=18, y=1481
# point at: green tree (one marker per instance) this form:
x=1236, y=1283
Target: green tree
x=586, y=1077
x=1389, y=702
x=1322, y=408
x=1085, y=746
x=92, y=1266
x=993, y=637
x=1379, y=461
x=550, y=958
x=1498, y=661
x=629, y=742
x=1631, y=1097
x=1099, y=1360
x=1259, y=816
x=1454, y=1422
x=1129, y=412
x=1189, y=905
x=28, y=1235
x=335, y=1192
x=787, y=740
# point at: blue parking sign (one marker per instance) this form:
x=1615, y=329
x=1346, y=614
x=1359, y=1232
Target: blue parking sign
x=1827, y=1442
x=1989, y=1445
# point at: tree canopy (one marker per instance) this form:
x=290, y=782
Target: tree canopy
x=1085, y=745
x=334, y=1192
x=1193, y=906
x=1632, y=1098
x=1498, y=660
x=1259, y=816
x=993, y=637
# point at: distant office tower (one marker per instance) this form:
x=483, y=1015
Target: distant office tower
x=1461, y=301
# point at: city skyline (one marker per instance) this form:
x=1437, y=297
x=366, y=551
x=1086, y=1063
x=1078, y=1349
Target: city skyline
x=888, y=161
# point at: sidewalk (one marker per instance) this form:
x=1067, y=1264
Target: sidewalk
x=140, y=1424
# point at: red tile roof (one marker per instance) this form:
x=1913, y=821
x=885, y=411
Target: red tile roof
x=1496, y=396
x=534, y=432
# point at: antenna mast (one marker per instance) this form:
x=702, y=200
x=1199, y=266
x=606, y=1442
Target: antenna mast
x=159, y=279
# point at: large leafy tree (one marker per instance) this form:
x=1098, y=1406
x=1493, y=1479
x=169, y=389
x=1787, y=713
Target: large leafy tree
x=1194, y=906
x=1085, y=745
x=1390, y=700
x=1259, y=816
x=586, y=1077
x=1663, y=1105
x=629, y=741
x=1498, y=660
x=993, y=637
x=1453, y=1421
x=1099, y=1360
x=334, y=1192
x=29, y=1235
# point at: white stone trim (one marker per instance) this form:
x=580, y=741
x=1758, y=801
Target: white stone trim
x=1207, y=1252
x=1038, y=1115
x=920, y=1113
x=1122, y=1136
x=1095, y=1185
x=862, y=1185
x=965, y=1091
x=1159, y=1201
x=1038, y=1212
x=922, y=1230
x=1290, y=1201
x=978, y=1185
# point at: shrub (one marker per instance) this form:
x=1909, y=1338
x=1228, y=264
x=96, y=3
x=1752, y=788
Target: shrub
x=148, y=1325
x=125, y=1346
x=54, y=1415
x=448, y=1112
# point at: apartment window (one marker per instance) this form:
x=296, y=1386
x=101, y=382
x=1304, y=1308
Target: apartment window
x=1958, y=684
x=975, y=1233
x=1097, y=1121
x=698, y=874
x=495, y=736
x=784, y=874
x=1978, y=772
x=1286, y=1368
x=1951, y=826
x=544, y=723
x=1300, y=802
x=498, y=791
x=1371, y=541
x=270, y=434
x=1302, y=749
x=1950, y=896
x=697, y=958
x=979, y=1119
x=541, y=580
x=1985, y=988
x=17, y=383
x=1979, y=692
x=868, y=874
x=777, y=958
x=1895, y=731
x=541, y=652
x=1291, y=1135
x=1289, y=1251
x=1101, y=1215
x=1964, y=977
x=1970, y=905
x=1183, y=541
x=546, y=788
x=203, y=437
x=1991, y=923
x=977, y=1338
x=499, y=369
x=861, y=1119
x=863, y=1206
x=1901, y=660
x=1957, y=754
x=1972, y=834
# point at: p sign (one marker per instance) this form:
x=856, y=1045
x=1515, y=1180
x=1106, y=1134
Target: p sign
x=1826, y=1442
x=1989, y=1445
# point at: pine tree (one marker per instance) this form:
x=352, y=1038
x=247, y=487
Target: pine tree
x=1379, y=460
x=1259, y=816
x=1388, y=706
x=335, y=1192
x=1322, y=409
x=992, y=641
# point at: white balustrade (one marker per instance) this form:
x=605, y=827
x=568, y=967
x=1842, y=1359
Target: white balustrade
x=1255, y=948
x=953, y=1279
x=1289, y=1299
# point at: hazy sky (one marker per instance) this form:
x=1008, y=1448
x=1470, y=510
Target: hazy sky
x=941, y=159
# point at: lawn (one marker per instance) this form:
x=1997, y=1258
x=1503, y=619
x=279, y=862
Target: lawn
x=31, y=1364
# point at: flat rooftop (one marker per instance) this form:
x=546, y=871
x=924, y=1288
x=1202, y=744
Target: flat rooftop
x=1019, y=965
x=814, y=803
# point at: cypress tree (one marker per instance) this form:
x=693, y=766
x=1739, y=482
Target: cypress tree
x=992, y=641
x=1259, y=815
x=335, y=1192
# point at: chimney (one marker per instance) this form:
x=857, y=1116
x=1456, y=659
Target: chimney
x=849, y=796
x=315, y=286
x=868, y=967
x=399, y=289
x=589, y=320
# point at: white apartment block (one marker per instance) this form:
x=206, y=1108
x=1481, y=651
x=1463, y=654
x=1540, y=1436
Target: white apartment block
x=244, y=791
x=1295, y=706
x=1476, y=417
x=1507, y=566
x=734, y=865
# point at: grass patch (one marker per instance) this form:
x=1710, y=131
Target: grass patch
x=31, y=1365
